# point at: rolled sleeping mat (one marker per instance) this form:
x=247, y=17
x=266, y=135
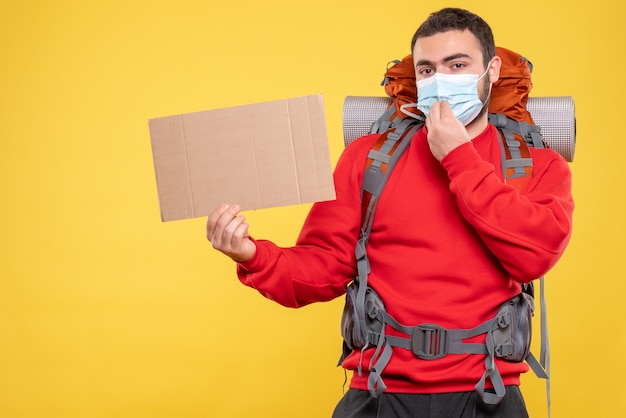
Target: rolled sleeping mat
x=555, y=115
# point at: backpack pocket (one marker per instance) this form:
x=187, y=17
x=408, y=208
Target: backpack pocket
x=513, y=331
x=354, y=329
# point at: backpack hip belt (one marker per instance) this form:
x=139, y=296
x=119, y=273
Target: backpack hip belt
x=431, y=341
x=508, y=336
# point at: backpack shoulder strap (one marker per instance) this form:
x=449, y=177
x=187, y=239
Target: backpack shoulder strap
x=380, y=162
x=381, y=159
x=515, y=139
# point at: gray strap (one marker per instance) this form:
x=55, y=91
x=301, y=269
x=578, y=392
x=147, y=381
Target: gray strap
x=408, y=330
x=376, y=182
x=503, y=159
x=379, y=156
x=531, y=134
x=536, y=138
x=516, y=162
x=373, y=181
x=544, y=354
x=363, y=268
x=372, y=178
x=381, y=357
x=454, y=337
x=541, y=367
x=491, y=371
x=405, y=124
x=453, y=348
x=384, y=122
x=536, y=366
x=457, y=346
x=375, y=383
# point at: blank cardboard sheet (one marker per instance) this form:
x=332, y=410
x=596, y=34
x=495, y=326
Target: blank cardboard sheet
x=258, y=155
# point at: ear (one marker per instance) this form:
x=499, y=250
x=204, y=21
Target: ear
x=494, y=69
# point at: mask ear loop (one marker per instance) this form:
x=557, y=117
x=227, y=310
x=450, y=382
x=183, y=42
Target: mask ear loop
x=486, y=101
x=486, y=71
x=403, y=109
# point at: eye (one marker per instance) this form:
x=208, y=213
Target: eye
x=426, y=71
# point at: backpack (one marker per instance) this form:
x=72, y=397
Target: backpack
x=509, y=94
x=364, y=317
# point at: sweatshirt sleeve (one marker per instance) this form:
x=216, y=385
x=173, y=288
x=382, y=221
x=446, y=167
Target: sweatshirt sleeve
x=322, y=262
x=526, y=231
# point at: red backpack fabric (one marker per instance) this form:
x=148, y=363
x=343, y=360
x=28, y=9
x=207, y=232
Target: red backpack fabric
x=509, y=95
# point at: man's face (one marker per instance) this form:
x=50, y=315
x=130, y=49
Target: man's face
x=452, y=52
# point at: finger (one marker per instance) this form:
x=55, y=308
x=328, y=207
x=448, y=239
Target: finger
x=225, y=214
x=432, y=115
x=435, y=110
x=212, y=220
x=240, y=233
x=445, y=111
x=229, y=233
x=435, y=113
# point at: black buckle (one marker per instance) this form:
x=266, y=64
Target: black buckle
x=429, y=342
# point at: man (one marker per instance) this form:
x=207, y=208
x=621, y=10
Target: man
x=450, y=243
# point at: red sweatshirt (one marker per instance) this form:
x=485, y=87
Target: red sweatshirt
x=449, y=244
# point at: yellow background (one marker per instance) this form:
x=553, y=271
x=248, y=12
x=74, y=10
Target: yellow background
x=105, y=311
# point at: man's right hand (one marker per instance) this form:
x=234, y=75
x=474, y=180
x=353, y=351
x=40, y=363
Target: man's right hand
x=229, y=233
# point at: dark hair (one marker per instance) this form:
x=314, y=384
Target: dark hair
x=458, y=19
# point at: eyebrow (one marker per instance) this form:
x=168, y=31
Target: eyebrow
x=446, y=59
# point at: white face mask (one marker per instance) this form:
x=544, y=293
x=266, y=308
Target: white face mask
x=459, y=90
